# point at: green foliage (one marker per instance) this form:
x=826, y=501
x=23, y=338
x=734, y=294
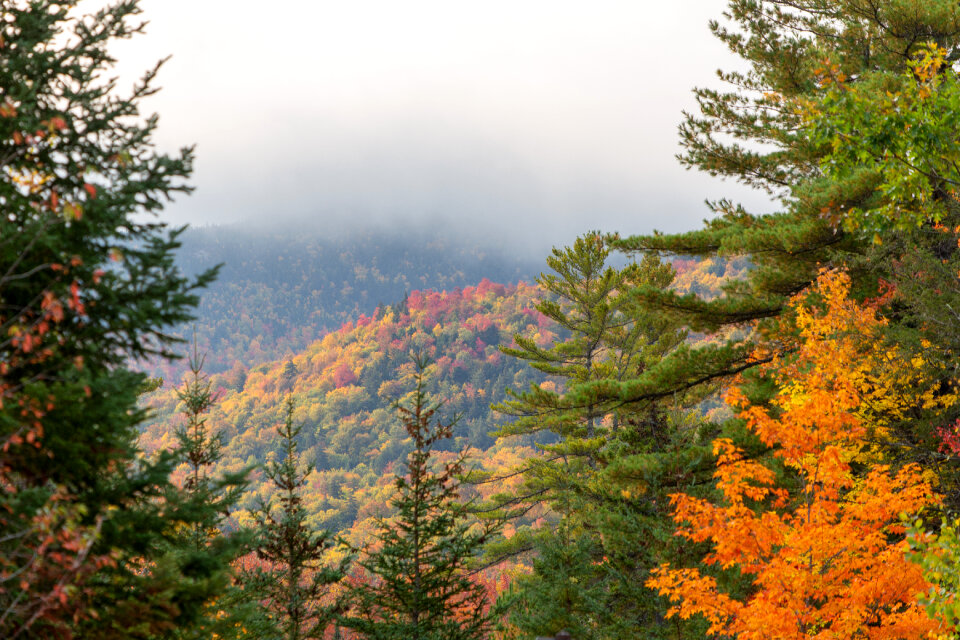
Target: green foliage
x=88, y=284
x=564, y=592
x=204, y=549
x=294, y=581
x=200, y=448
x=939, y=556
x=608, y=339
x=607, y=474
x=894, y=133
x=419, y=585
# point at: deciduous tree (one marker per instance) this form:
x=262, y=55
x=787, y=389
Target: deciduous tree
x=825, y=551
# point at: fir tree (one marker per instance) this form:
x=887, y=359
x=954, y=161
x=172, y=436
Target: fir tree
x=420, y=587
x=88, y=285
x=201, y=448
x=204, y=549
x=296, y=584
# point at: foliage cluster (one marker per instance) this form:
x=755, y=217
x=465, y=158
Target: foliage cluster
x=838, y=352
x=279, y=291
x=820, y=550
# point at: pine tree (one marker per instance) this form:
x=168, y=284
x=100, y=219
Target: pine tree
x=419, y=587
x=762, y=132
x=608, y=338
x=87, y=286
x=606, y=474
x=296, y=584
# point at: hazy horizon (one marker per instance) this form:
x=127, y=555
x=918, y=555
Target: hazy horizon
x=541, y=119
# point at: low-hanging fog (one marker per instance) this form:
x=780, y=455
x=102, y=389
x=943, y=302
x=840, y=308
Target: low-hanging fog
x=532, y=121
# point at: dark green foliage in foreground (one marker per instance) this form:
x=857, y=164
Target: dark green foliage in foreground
x=608, y=337
x=295, y=584
x=87, y=285
x=419, y=587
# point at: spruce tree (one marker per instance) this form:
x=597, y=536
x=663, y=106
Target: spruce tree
x=88, y=285
x=201, y=543
x=419, y=585
x=296, y=582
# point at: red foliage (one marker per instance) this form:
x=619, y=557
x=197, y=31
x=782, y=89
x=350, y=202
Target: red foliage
x=343, y=375
x=950, y=438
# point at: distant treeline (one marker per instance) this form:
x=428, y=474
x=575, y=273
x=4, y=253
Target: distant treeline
x=278, y=291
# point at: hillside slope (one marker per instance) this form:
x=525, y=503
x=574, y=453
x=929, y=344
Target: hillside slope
x=344, y=383
x=280, y=290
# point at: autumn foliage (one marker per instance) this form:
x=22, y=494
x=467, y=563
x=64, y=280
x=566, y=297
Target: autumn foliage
x=823, y=545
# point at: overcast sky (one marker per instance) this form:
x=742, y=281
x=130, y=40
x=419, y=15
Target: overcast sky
x=549, y=116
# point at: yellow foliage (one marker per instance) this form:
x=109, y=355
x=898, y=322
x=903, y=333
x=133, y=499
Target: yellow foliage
x=829, y=560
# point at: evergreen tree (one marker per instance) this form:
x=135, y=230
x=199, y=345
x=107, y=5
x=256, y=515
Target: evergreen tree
x=204, y=549
x=296, y=583
x=760, y=133
x=201, y=448
x=420, y=587
x=608, y=337
x=565, y=591
x=607, y=474
x=87, y=286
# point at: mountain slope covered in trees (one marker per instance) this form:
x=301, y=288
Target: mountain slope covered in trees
x=281, y=289
x=343, y=386
x=344, y=383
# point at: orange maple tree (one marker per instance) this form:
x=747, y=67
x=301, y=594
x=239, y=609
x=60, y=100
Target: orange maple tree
x=827, y=560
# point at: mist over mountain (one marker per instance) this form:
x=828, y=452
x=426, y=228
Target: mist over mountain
x=280, y=289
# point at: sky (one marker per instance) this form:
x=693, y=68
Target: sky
x=530, y=118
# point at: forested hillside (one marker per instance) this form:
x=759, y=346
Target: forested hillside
x=344, y=384
x=281, y=289
x=750, y=430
